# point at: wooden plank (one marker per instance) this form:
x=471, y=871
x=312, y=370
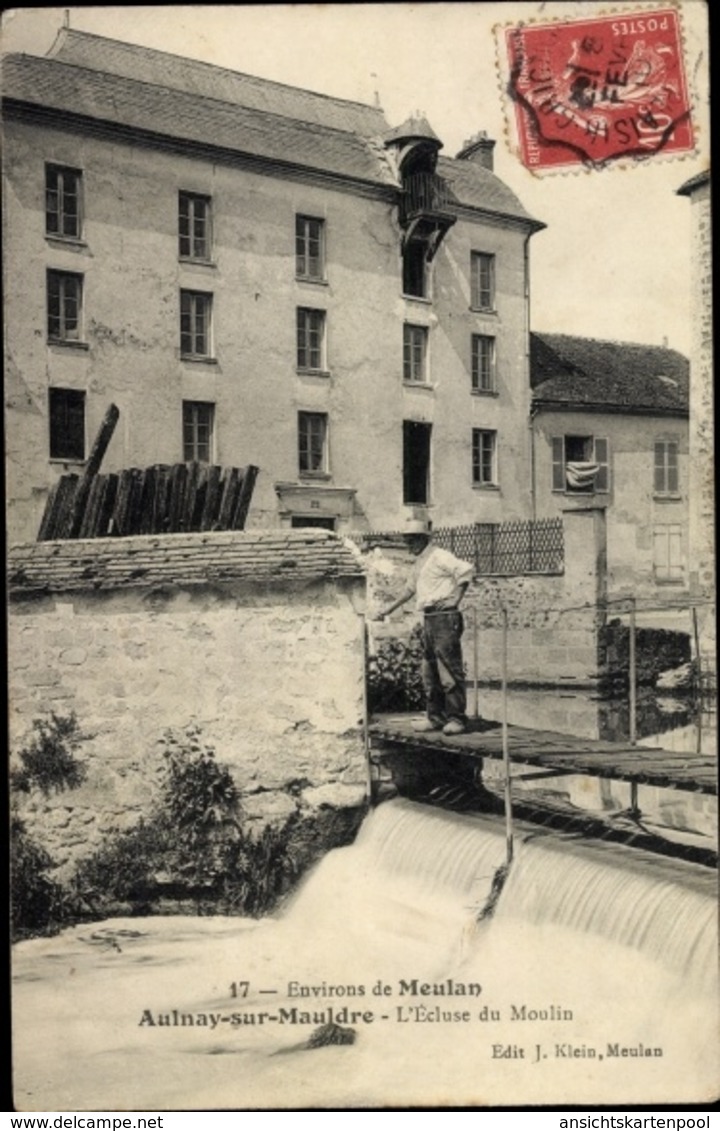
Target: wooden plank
x=92, y=467
x=91, y=508
x=245, y=493
x=122, y=508
x=160, y=498
x=228, y=502
x=212, y=498
x=105, y=510
x=47, y=522
x=145, y=501
x=176, y=497
x=64, y=506
x=191, y=491
x=199, y=496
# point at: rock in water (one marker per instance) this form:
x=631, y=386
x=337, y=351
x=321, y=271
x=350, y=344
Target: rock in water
x=331, y=1034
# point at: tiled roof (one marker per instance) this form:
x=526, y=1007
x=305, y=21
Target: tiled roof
x=205, y=80
x=474, y=185
x=187, y=117
x=591, y=373
x=168, y=96
x=179, y=559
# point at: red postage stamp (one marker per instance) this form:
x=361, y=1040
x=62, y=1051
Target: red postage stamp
x=590, y=91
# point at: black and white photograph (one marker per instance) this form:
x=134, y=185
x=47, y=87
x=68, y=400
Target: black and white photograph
x=360, y=556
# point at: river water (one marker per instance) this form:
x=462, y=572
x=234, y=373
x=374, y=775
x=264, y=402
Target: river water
x=593, y=981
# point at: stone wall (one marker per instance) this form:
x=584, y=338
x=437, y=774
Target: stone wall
x=270, y=670
x=553, y=620
x=702, y=438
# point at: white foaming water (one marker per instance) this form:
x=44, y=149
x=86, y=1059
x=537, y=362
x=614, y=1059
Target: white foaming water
x=593, y=956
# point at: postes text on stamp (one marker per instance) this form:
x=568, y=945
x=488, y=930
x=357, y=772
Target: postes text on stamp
x=590, y=91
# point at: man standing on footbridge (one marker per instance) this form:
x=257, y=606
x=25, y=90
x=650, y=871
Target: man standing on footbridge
x=438, y=586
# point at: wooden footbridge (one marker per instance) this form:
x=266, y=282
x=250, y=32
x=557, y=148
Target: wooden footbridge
x=643, y=765
x=453, y=772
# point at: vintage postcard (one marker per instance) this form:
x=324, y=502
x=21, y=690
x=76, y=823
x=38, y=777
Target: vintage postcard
x=361, y=581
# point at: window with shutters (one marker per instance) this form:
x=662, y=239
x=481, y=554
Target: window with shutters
x=668, y=553
x=666, y=480
x=67, y=424
x=580, y=464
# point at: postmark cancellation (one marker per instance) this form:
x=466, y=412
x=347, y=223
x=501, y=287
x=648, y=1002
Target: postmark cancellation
x=590, y=91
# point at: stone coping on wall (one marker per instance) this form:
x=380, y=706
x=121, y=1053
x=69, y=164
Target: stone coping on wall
x=179, y=559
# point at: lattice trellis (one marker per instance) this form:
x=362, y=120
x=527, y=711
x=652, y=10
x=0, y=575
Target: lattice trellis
x=497, y=549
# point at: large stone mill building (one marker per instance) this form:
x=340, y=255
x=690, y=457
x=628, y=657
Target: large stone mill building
x=257, y=274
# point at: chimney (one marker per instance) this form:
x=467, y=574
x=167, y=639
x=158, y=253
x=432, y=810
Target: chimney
x=479, y=149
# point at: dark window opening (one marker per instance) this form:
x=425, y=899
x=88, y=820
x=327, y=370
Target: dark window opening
x=416, y=462
x=317, y=521
x=414, y=270
x=67, y=424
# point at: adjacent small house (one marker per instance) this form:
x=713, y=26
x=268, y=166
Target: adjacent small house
x=610, y=429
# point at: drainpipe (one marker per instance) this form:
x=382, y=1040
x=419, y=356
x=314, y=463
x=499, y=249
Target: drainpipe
x=533, y=473
x=526, y=267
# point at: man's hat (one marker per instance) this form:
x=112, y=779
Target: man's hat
x=417, y=526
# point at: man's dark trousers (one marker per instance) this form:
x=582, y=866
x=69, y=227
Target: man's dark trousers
x=443, y=671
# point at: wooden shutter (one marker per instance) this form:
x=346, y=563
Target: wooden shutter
x=602, y=479
x=558, y=463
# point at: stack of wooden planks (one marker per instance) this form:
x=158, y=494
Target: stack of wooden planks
x=162, y=499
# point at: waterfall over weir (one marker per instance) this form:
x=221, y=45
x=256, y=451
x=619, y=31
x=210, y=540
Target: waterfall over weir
x=594, y=981
x=665, y=910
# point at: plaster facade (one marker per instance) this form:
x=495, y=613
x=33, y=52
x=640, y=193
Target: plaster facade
x=128, y=347
x=647, y=531
x=702, y=466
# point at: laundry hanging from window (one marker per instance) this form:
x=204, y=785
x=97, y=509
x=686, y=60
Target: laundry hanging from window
x=581, y=474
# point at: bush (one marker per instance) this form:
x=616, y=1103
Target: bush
x=48, y=761
x=394, y=679
x=192, y=846
x=37, y=903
